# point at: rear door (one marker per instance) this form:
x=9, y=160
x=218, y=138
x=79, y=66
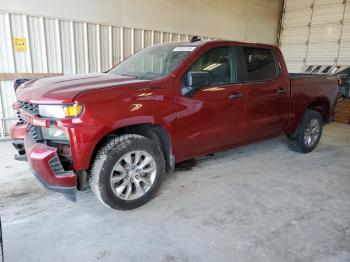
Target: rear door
x=267, y=98
x=213, y=117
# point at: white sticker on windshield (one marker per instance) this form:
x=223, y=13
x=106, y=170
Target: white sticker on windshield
x=184, y=48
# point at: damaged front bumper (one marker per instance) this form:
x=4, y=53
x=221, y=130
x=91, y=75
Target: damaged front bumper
x=17, y=133
x=44, y=163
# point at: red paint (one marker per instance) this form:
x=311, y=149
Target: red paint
x=18, y=131
x=34, y=120
x=38, y=158
x=207, y=122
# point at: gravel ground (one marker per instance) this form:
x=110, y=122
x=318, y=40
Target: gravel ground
x=260, y=202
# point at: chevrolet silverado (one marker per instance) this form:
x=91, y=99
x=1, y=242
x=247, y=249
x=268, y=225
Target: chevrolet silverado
x=121, y=130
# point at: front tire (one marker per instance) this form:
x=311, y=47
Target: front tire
x=127, y=172
x=308, y=133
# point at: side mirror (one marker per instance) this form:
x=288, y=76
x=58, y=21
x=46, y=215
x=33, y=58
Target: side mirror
x=194, y=81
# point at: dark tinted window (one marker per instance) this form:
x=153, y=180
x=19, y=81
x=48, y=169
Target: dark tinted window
x=218, y=63
x=260, y=64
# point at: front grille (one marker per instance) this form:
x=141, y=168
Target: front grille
x=29, y=107
x=20, y=120
x=35, y=134
x=56, y=166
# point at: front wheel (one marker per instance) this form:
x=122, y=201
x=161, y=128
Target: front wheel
x=127, y=172
x=308, y=134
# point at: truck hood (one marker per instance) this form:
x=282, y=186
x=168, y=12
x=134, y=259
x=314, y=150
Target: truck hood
x=63, y=89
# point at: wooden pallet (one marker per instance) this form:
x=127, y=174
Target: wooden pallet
x=342, y=112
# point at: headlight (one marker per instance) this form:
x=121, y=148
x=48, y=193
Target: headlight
x=60, y=111
x=54, y=133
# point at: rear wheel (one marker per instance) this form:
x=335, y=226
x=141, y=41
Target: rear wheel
x=308, y=134
x=127, y=172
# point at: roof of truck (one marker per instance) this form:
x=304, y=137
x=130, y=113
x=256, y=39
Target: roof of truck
x=205, y=42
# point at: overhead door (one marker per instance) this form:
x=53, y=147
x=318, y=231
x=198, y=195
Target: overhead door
x=315, y=32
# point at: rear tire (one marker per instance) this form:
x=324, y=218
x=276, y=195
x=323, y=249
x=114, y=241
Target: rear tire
x=127, y=172
x=308, y=133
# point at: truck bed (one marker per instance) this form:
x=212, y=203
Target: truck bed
x=306, y=89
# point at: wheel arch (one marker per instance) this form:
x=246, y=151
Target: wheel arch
x=319, y=104
x=323, y=106
x=155, y=132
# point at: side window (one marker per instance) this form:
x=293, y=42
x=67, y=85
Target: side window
x=260, y=64
x=218, y=63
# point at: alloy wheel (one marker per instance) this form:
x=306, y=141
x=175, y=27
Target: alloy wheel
x=312, y=132
x=133, y=175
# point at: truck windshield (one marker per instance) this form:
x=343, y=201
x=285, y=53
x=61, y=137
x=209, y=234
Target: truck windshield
x=153, y=62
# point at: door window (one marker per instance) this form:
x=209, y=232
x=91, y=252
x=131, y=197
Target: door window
x=260, y=64
x=218, y=63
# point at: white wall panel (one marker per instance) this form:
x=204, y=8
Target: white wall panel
x=53, y=45
x=67, y=48
x=116, y=48
x=138, y=39
x=157, y=37
x=128, y=45
x=8, y=97
x=148, y=38
x=174, y=37
x=105, y=47
x=7, y=102
x=80, y=44
x=93, y=45
x=184, y=37
x=7, y=63
x=38, y=42
x=166, y=37
x=19, y=28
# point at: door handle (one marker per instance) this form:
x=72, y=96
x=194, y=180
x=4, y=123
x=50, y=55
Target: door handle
x=236, y=96
x=281, y=91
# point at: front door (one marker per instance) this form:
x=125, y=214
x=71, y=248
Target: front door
x=213, y=117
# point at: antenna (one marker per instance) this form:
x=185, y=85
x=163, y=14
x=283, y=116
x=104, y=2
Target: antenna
x=195, y=39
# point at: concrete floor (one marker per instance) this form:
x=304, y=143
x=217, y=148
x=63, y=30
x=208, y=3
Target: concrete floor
x=260, y=202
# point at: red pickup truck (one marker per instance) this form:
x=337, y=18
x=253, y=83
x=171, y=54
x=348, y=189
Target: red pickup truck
x=120, y=131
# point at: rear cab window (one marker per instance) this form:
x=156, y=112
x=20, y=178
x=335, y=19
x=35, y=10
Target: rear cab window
x=260, y=64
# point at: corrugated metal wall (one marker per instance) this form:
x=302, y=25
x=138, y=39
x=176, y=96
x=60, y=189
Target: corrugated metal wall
x=68, y=47
x=315, y=32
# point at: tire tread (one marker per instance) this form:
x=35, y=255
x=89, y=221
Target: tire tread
x=295, y=140
x=116, y=144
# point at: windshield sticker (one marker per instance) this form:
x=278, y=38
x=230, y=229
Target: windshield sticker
x=184, y=48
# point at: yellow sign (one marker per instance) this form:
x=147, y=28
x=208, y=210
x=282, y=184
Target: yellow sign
x=20, y=44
